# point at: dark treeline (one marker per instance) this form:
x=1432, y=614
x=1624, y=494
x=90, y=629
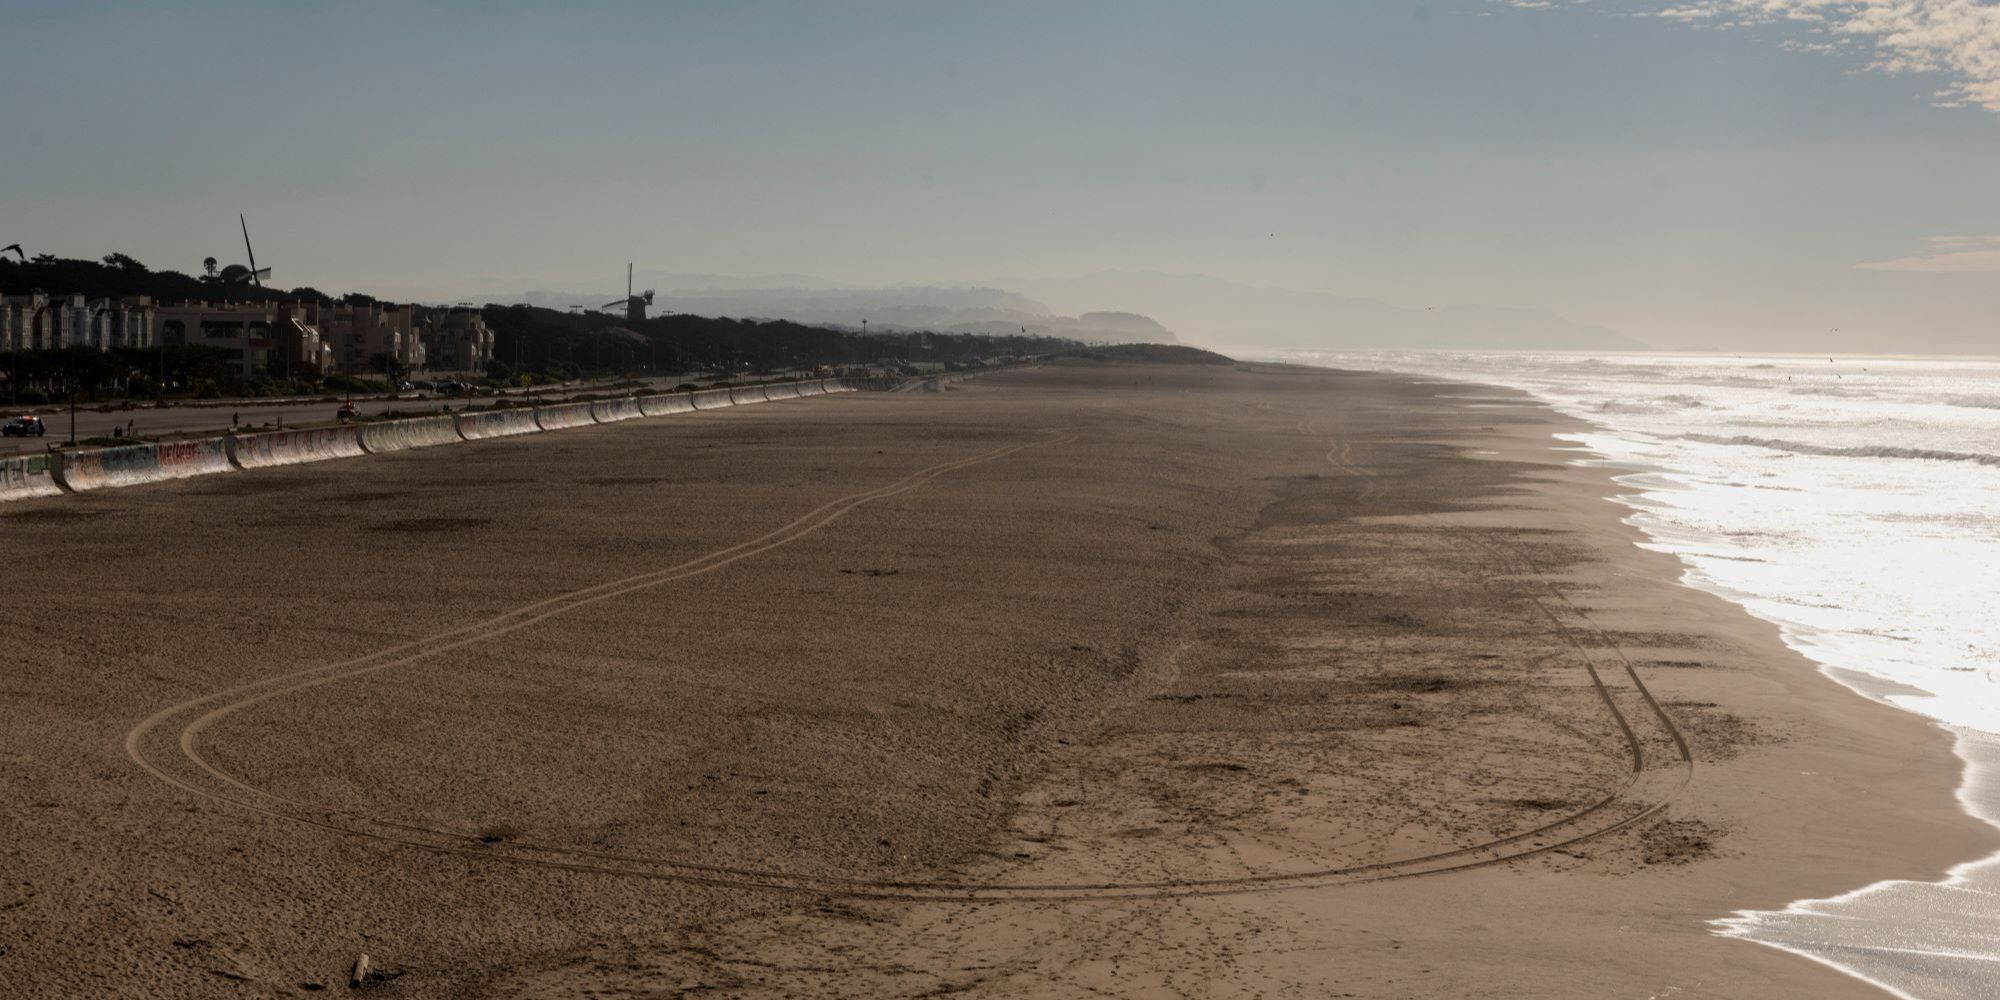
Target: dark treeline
x=537, y=339
x=119, y=275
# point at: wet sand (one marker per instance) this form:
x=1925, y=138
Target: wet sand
x=1089, y=680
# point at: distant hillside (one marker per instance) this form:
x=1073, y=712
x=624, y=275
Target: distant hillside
x=1240, y=317
x=916, y=308
x=1121, y=327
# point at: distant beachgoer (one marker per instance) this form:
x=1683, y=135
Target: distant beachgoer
x=128, y=428
x=232, y=419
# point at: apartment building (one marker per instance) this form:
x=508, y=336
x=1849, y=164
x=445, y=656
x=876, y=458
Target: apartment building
x=39, y=322
x=457, y=340
x=358, y=334
x=20, y=319
x=262, y=339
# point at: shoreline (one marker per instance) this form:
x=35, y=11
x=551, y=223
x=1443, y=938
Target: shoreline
x=1821, y=927
x=1840, y=699
x=1979, y=753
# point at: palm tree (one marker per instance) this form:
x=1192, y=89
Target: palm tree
x=208, y=266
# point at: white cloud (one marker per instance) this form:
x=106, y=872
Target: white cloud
x=1947, y=255
x=1684, y=13
x=1959, y=39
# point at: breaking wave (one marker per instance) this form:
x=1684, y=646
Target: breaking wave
x=1658, y=404
x=1856, y=451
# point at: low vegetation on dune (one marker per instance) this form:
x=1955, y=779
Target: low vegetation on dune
x=1162, y=354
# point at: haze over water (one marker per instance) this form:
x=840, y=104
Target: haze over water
x=1855, y=503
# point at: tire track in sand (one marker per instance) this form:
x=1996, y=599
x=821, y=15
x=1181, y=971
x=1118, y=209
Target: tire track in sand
x=197, y=714
x=216, y=705
x=1664, y=782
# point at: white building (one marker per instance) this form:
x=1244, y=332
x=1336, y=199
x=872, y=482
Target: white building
x=38, y=322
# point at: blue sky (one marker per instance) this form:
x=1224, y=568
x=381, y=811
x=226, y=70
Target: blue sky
x=1716, y=175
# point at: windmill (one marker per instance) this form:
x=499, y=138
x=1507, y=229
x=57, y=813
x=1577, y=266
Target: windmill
x=635, y=305
x=238, y=274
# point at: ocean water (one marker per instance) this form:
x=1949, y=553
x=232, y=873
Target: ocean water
x=1855, y=503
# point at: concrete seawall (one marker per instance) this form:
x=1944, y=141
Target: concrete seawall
x=497, y=423
x=711, y=399
x=102, y=468
x=256, y=451
x=607, y=411
x=27, y=476
x=666, y=403
x=32, y=476
x=401, y=435
x=564, y=415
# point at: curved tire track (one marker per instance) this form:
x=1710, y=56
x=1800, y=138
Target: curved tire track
x=195, y=715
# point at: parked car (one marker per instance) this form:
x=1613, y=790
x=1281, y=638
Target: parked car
x=23, y=426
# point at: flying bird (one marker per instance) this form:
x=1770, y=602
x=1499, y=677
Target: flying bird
x=16, y=247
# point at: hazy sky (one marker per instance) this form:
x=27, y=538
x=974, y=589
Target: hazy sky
x=1705, y=171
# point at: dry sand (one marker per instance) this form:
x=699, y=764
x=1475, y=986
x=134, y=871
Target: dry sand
x=1091, y=680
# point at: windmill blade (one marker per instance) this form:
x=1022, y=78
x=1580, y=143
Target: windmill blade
x=16, y=247
x=615, y=302
x=256, y=275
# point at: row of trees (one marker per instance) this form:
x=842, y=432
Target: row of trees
x=118, y=275
x=37, y=377
x=530, y=338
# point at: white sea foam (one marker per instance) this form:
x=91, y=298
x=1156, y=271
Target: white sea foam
x=1847, y=451
x=1854, y=502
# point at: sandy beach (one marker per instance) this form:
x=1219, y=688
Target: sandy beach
x=1094, y=679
